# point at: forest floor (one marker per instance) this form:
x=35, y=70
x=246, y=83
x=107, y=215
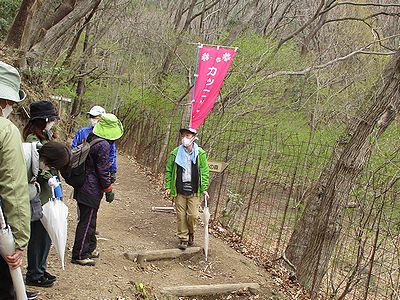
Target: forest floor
x=127, y=225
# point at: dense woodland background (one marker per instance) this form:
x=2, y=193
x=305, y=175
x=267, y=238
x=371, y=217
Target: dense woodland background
x=306, y=119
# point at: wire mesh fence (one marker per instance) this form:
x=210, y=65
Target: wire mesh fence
x=262, y=192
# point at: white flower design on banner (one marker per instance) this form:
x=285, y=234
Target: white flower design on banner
x=218, y=59
x=205, y=56
x=226, y=57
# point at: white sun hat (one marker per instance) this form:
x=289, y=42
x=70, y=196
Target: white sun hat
x=96, y=111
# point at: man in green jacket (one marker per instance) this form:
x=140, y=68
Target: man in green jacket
x=186, y=179
x=13, y=177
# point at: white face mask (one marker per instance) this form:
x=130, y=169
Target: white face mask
x=50, y=125
x=6, y=111
x=186, y=142
x=93, y=122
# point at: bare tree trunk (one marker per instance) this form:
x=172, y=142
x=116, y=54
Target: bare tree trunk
x=189, y=15
x=312, y=243
x=77, y=36
x=171, y=52
x=51, y=19
x=243, y=23
x=81, y=83
x=16, y=32
x=165, y=142
x=178, y=17
x=272, y=11
x=321, y=22
x=305, y=25
x=164, y=146
x=56, y=31
x=203, y=11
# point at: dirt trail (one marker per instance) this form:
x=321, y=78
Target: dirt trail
x=128, y=225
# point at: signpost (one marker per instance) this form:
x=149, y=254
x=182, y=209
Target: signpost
x=216, y=166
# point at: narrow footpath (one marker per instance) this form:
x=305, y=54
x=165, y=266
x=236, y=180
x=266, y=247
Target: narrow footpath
x=128, y=225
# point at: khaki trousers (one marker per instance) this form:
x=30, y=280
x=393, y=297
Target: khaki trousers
x=187, y=210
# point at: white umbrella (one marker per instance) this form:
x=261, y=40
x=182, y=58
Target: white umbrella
x=55, y=220
x=7, y=247
x=206, y=218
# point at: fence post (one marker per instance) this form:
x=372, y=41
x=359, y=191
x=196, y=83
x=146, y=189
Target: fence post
x=251, y=197
x=286, y=207
x=221, y=182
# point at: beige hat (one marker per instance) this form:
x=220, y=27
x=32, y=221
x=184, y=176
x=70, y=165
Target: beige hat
x=10, y=83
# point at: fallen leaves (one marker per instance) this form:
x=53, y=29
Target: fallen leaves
x=283, y=278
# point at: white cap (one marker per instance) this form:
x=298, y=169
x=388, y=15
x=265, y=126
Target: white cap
x=96, y=111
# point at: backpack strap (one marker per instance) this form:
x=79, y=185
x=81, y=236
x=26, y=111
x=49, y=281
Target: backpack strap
x=95, y=141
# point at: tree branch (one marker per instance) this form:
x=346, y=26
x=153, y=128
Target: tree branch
x=338, y=59
x=363, y=50
x=305, y=25
x=361, y=4
x=362, y=19
x=203, y=11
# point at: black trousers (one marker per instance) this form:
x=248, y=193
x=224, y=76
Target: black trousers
x=85, y=236
x=6, y=284
x=38, y=251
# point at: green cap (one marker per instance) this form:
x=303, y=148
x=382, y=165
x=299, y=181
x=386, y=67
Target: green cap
x=109, y=127
x=10, y=82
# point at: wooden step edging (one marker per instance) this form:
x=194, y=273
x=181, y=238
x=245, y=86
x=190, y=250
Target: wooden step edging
x=167, y=209
x=211, y=289
x=152, y=255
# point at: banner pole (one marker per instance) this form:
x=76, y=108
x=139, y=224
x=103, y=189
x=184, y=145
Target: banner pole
x=194, y=82
x=212, y=45
x=197, y=66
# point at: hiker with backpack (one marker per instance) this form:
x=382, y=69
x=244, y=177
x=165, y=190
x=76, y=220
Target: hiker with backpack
x=94, y=115
x=43, y=116
x=14, y=201
x=97, y=181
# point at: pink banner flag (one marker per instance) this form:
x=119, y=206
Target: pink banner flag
x=213, y=65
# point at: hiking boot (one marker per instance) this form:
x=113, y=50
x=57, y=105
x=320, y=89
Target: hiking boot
x=41, y=282
x=94, y=254
x=191, y=240
x=183, y=245
x=49, y=276
x=84, y=262
x=31, y=295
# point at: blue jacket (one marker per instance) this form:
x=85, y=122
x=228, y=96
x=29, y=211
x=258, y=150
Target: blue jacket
x=81, y=136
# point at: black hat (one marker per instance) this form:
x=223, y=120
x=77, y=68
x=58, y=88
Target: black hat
x=188, y=129
x=43, y=110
